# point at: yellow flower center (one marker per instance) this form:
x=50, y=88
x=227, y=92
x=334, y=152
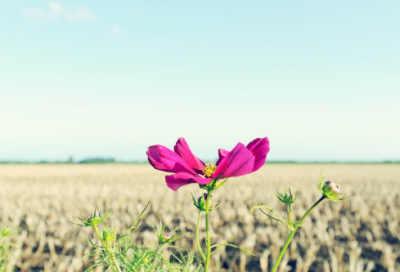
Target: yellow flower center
x=209, y=170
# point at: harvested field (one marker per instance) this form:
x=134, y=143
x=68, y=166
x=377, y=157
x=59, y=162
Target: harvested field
x=359, y=234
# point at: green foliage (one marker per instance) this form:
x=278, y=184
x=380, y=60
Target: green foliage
x=276, y=217
x=6, y=247
x=120, y=253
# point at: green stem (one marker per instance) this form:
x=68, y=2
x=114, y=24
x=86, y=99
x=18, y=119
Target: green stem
x=158, y=257
x=291, y=234
x=207, y=263
x=197, y=238
x=113, y=259
x=290, y=212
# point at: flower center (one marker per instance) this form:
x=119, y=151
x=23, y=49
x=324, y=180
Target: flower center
x=209, y=170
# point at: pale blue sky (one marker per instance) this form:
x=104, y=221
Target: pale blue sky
x=88, y=78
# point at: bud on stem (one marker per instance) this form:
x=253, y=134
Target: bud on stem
x=331, y=190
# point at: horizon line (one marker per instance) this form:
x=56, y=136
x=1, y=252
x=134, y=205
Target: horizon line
x=113, y=161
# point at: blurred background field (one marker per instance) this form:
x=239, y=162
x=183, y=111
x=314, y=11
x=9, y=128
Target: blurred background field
x=360, y=234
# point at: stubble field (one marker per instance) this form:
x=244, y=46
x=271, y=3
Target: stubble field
x=359, y=234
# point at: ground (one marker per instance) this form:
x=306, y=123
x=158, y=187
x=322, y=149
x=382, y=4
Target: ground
x=359, y=234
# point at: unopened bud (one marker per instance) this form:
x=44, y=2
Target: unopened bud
x=287, y=197
x=203, y=198
x=168, y=238
x=331, y=188
x=109, y=234
x=202, y=202
x=94, y=219
x=331, y=191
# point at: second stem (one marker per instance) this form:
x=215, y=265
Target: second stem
x=292, y=232
x=207, y=262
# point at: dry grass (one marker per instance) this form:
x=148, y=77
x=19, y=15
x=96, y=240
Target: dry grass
x=360, y=234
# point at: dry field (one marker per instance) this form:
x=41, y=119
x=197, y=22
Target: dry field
x=360, y=234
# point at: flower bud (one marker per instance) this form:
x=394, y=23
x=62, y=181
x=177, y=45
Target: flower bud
x=109, y=234
x=331, y=188
x=165, y=237
x=202, y=201
x=287, y=197
x=94, y=220
x=331, y=191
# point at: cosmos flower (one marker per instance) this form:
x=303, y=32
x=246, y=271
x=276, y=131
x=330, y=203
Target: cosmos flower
x=187, y=168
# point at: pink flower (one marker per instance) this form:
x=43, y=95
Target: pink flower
x=242, y=160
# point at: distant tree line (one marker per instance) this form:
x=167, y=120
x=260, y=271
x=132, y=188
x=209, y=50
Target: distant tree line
x=110, y=160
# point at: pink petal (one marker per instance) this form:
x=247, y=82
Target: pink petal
x=221, y=153
x=164, y=159
x=183, y=150
x=180, y=179
x=239, y=162
x=260, y=148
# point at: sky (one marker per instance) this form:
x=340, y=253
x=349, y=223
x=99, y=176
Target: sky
x=92, y=78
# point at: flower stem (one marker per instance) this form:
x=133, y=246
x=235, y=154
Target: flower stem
x=207, y=262
x=291, y=234
x=157, y=258
x=197, y=237
x=114, y=261
x=290, y=212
